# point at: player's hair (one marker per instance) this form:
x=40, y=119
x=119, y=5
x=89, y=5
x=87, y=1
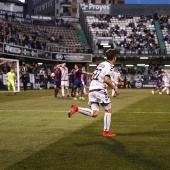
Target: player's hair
x=110, y=54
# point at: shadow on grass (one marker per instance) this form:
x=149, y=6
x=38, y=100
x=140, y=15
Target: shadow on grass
x=85, y=149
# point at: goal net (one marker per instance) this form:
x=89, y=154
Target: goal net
x=5, y=66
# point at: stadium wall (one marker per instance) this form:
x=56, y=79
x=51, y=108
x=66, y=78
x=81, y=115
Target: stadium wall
x=140, y=9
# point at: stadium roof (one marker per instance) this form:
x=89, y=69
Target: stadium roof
x=14, y=1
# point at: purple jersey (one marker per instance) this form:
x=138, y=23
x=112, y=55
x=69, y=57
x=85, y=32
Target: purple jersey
x=57, y=76
x=76, y=75
x=84, y=76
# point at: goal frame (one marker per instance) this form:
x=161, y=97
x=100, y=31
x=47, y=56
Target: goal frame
x=17, y=72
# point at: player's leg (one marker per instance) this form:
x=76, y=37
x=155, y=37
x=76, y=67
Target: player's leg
x=25, y=86
x=55, y=91
x=66, y=87
x=84, y=89
x=84, y=111
x=107, y=120
x=62, y=89
x=167, y=90
x=56, y=88
x=93, y=112
x=165, y=87
x=153, y=91
x=81, y=87
x=9, y=86
x=13, y=87
x=113, y=92
x=104, y=99
x=75, y=91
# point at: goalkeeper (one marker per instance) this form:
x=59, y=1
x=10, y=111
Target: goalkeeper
x=11, y=77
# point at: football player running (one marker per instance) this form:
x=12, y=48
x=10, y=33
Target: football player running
x=98, y=94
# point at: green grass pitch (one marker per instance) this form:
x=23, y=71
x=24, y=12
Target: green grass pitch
x=36, y=133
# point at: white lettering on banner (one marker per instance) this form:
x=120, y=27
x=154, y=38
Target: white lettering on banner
x=73, y=57
x=33, y=53
x=41, y=17
x=149, y=85
x=59, y=56
x=29, y=53
x=13, y=49
x=91, y=6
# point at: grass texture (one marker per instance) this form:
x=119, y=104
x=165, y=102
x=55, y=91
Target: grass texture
x=36, y=133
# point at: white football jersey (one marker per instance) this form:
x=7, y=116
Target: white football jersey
x=64, y=73
x=102, y=70
x=166, y=78
x=116, y=76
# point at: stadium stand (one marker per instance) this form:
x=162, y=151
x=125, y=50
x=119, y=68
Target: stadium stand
x=132, y=34
x=165, y=27
x=48, y=38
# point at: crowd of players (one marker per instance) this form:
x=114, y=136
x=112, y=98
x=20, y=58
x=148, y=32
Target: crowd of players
x=162, y=82
x=79, y=77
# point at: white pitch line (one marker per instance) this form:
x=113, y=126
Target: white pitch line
x=31, y=111
x=56, y=111
x=143, y=112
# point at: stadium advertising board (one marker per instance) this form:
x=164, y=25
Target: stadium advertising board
x=27, y=52
x=44, y=54
x=95, y=8
x=144, y=84
x=29, y=86
x=16, y=14
x=72, y=57
x=13, y=50
x=39, y=17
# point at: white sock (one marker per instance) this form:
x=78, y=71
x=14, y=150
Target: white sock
x=62, y=91
x=113, y=92
x=164, y=89
x=85, y=111
x=107, y=121
x=84, y=90
x=167, y=91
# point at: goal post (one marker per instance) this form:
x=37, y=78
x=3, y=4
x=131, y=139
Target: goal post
x=5, y=66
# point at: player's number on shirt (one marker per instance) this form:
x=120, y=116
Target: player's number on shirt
x=96, y=73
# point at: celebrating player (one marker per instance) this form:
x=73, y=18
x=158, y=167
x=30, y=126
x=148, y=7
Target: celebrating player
x=166, y=79
x=98, y=93
x=11, y=77
x=64, y=79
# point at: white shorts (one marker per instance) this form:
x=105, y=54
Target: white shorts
x=166, y=84
x=99, y=97
x=65, y=83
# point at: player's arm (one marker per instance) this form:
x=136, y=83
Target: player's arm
x=89, y=73
x=109, y=83
x=62, y=65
